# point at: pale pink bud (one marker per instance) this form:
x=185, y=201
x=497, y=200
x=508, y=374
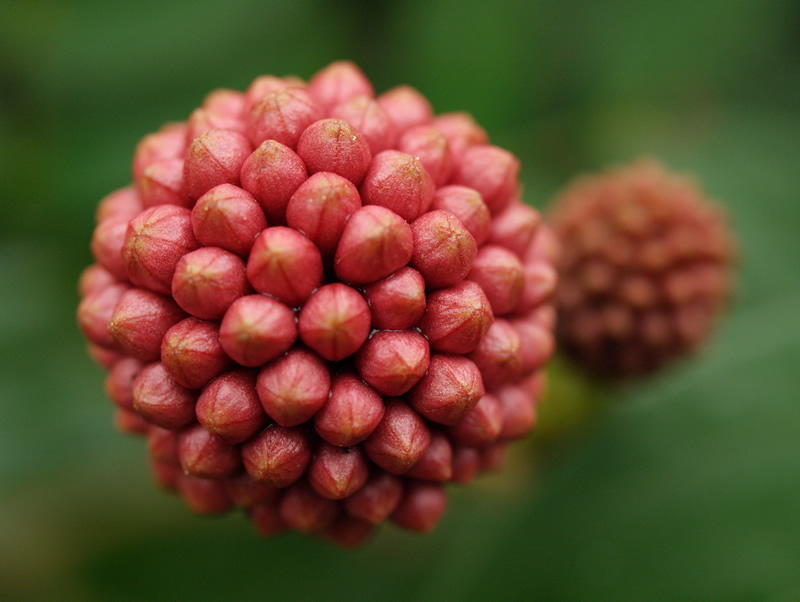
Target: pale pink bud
x=430, y=146
x=449, y=390
x=400, y=440
x=204, y=120
x=499, y=354
x=540, y=284
x=493, y=172
x=140, y=320
x=293, y=387
x=167, y=143
x=108, y=239
x=406, y=107
x=398, y=301
x=119, y=381
x=162, y=184
x=304, y=510
x=208, y=280
x=285, y=264
x=214, y=158
x=192, y=354
x=335, y=146
x=278, y=456
x=515, y=227
x=160, y=400
x=457, y=317
x=443, y=249
x=393, y=361
x=338, y=82
x=422, y=506
x=229, y=407
x=468, y=206
x=538, y=344
x=225, y=102
x=375, y=242
x=228, y=217
x=544, y=246
x=206, y=497
x=366, y=115
x=377, y=499
x=351, y=413
x=335, y=321
x=482, y=424
x=94, y=278
x=501, y=276
x=282, y=116
x=399, y=182
x=272, y=174
x=204, y=454
x=337, y=472
x=462, y=132
x=519, y=411
x=256, y=329
x=263, y=86
x=95, y=312
x=437, y=462
x=124, y=202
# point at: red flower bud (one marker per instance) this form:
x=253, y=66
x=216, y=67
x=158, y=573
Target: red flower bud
x=257, y=329
x=443, y=249
x=335, y=146
x=160, y=400
x=229, y=407
x=272, y=173
x=228, y=217
x=192, y=354
x=399, y=182
x=335, y=321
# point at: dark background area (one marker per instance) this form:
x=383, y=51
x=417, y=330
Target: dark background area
x=684, y=486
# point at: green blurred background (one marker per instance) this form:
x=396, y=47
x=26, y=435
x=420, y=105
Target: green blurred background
x=686, y=486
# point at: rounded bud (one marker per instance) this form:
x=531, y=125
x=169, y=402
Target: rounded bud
x=422, y=506
x=468, y=206
x=481, y=425
x=214, y=158
x=450, y=389
x=400, y=439
x=499, y=354
x=335, y=146
x=377, y=499
x=228, y=217
x=304, y=510
x=335, y=321
x=95, y=313
x=338, y=82
x=282, y=115
x=406, y=107
x=140, y=320
x=204, y=454
x=167, y=143
x=515, y=227
x=457, y=317
x=462, y=132
x=278, y=456
x=107, y=242
x=493, y=172
x=124, y=202
x=366, y=115
x=443, y=249
x=160, y=400
x=399, y=182
x=118, y=384
x=162, y=184
x=337, y=472
x=393, y=361
x=192, y=354
x=272, y=173
x=429, y=145
x=436, y=464
x=351, y=413
x=398, y=301
x=501, y=276
x=229, y=407
x=257, y=329
x=208, y=280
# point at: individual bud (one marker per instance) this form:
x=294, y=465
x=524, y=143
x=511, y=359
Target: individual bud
x=519, y=411
x=468, y=206
x=499, y=354
x=430, y=146
x=462, y=132
x=481, y=426
x=124, y=202
x=304, y=510
x=335, y=321
x=337, y=472
x=493, y=172
x=443, y=249
x=208, y=280
x=167, y=143
x=377, y=499
x=338, y=82
x=246, y=492
x=278, y=456
x=320, y=207
x=95, y=312
x=103, y=357
x=272, y=174
x=540, y=284
x=400, y=440
x=422, y=506
x=466, y=464
x=335, y=146
x=119, y=381
x=94, y=278
x=406, y=107
x=398, y=301
x=155, y=241
x=192, y=354
x=130, y=423
x=285, y=264
x=366, y=115
x=437, y=462
x=494, y=456
x=263, y=86
x=399, y=182
x=501, y=276
x=165, y=474
x=393, y=361
x=351, y=413
x=375, y=242
x=228, y=217
x=162, y=184
x=225, y=102
x=515, y=227
x=457, y=317
x=537, y=344
x=204, y=496
x=205, y=455
x=544, y=247
x=214, y=158
x=267, y=519
x=106, y=246
x=203, y=120
x=140, y=320
x=162, y=444
x=257, y=329
x=449, y=390
x=349, y=532
x=282, y=116
x=293, y=387
x=160, y=400
x=229, y=407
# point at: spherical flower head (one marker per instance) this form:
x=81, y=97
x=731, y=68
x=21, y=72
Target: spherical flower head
x=322, y=306
x=646, y=268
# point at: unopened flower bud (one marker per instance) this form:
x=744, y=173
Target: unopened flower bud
x=481, y=425
x=400, y=440
x=462, y=132
x=449, y=390
x=257, y=329
x=406, y=107
x=501, y=276
x=337, y=472
x=499, y=354
x=208, y=280
x=493, y=172
x=393, y=361
x=366, y=115
x=272, y=174
x=282, y=116
x=377, y=499
x=205, y=455
x=436, y=464
x=160, y=400
x=107, y=242
x=140, y=320
x=399, y=182
x=519, y=411
x=335, y=146
x=246, y=492
x=515, y=227
x=443, y=249
x=397, y=302
x=422, y=506
x=430, y=146
x=468, y=206
x=119, y=381
x=229, y=407
x=304, y=510
x=335, y=321
x=167, y=143
x=214, y=158
x=351, y=413
x=338, y=82
x=228, y=217
x=278, y=456
x=204, y=496
x=457, y=318
x=192, y=354
x=466, y=464
x=162, y=184
x=95, y=312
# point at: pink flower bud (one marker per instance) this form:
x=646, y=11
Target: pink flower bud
x=124, y=202
x=375, y=242
x=285, y=264
x=422, y=506
x=443, y=249
x=162, y=184
x=106, y=246
x=482, y=424
x=337, y=472
x=246, y=492
x=377, y=499
x=406, y=107
x=338, y=82
x=430, y=146
x=462, y=132
x=449, y=390
x=466, y=464
x=399, y=182
x=272, y=174
x=119, y=381
x=335, y=321
x=333, y=145
x=278, y=456
x=204, y=454
x=204, y=120
x=167, y=143
x=499, y=354
x=304, y=510
x=225, y=102
x=519, y=411
x=163, y=444
x=493, y=172
x=95, y=312
x=544, y=246
x=208, y=280
x=140, y=320
x=267, y=518
x=282, y=116
x=257, y=329
x=437, y=462
x=320, y=207
x=537, y=344
x=263, y=86
x=501, y=276
x=228, y=217
x=204, y=496
x=540, y=284
x=130, y=423
x=160, y=400
x=393, y=361
x=214, y=158
x=468, y=206
x=400, y=440
x=351, y=413
x=293, y=387
x=515, y=227
x=366, y=115
x=229, y=407
x=398, y=301
x=155, y=241
x=192, y=354
x=105, y=358
x=457, y=317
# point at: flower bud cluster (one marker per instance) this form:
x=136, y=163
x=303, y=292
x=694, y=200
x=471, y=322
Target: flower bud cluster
x=321, y=305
